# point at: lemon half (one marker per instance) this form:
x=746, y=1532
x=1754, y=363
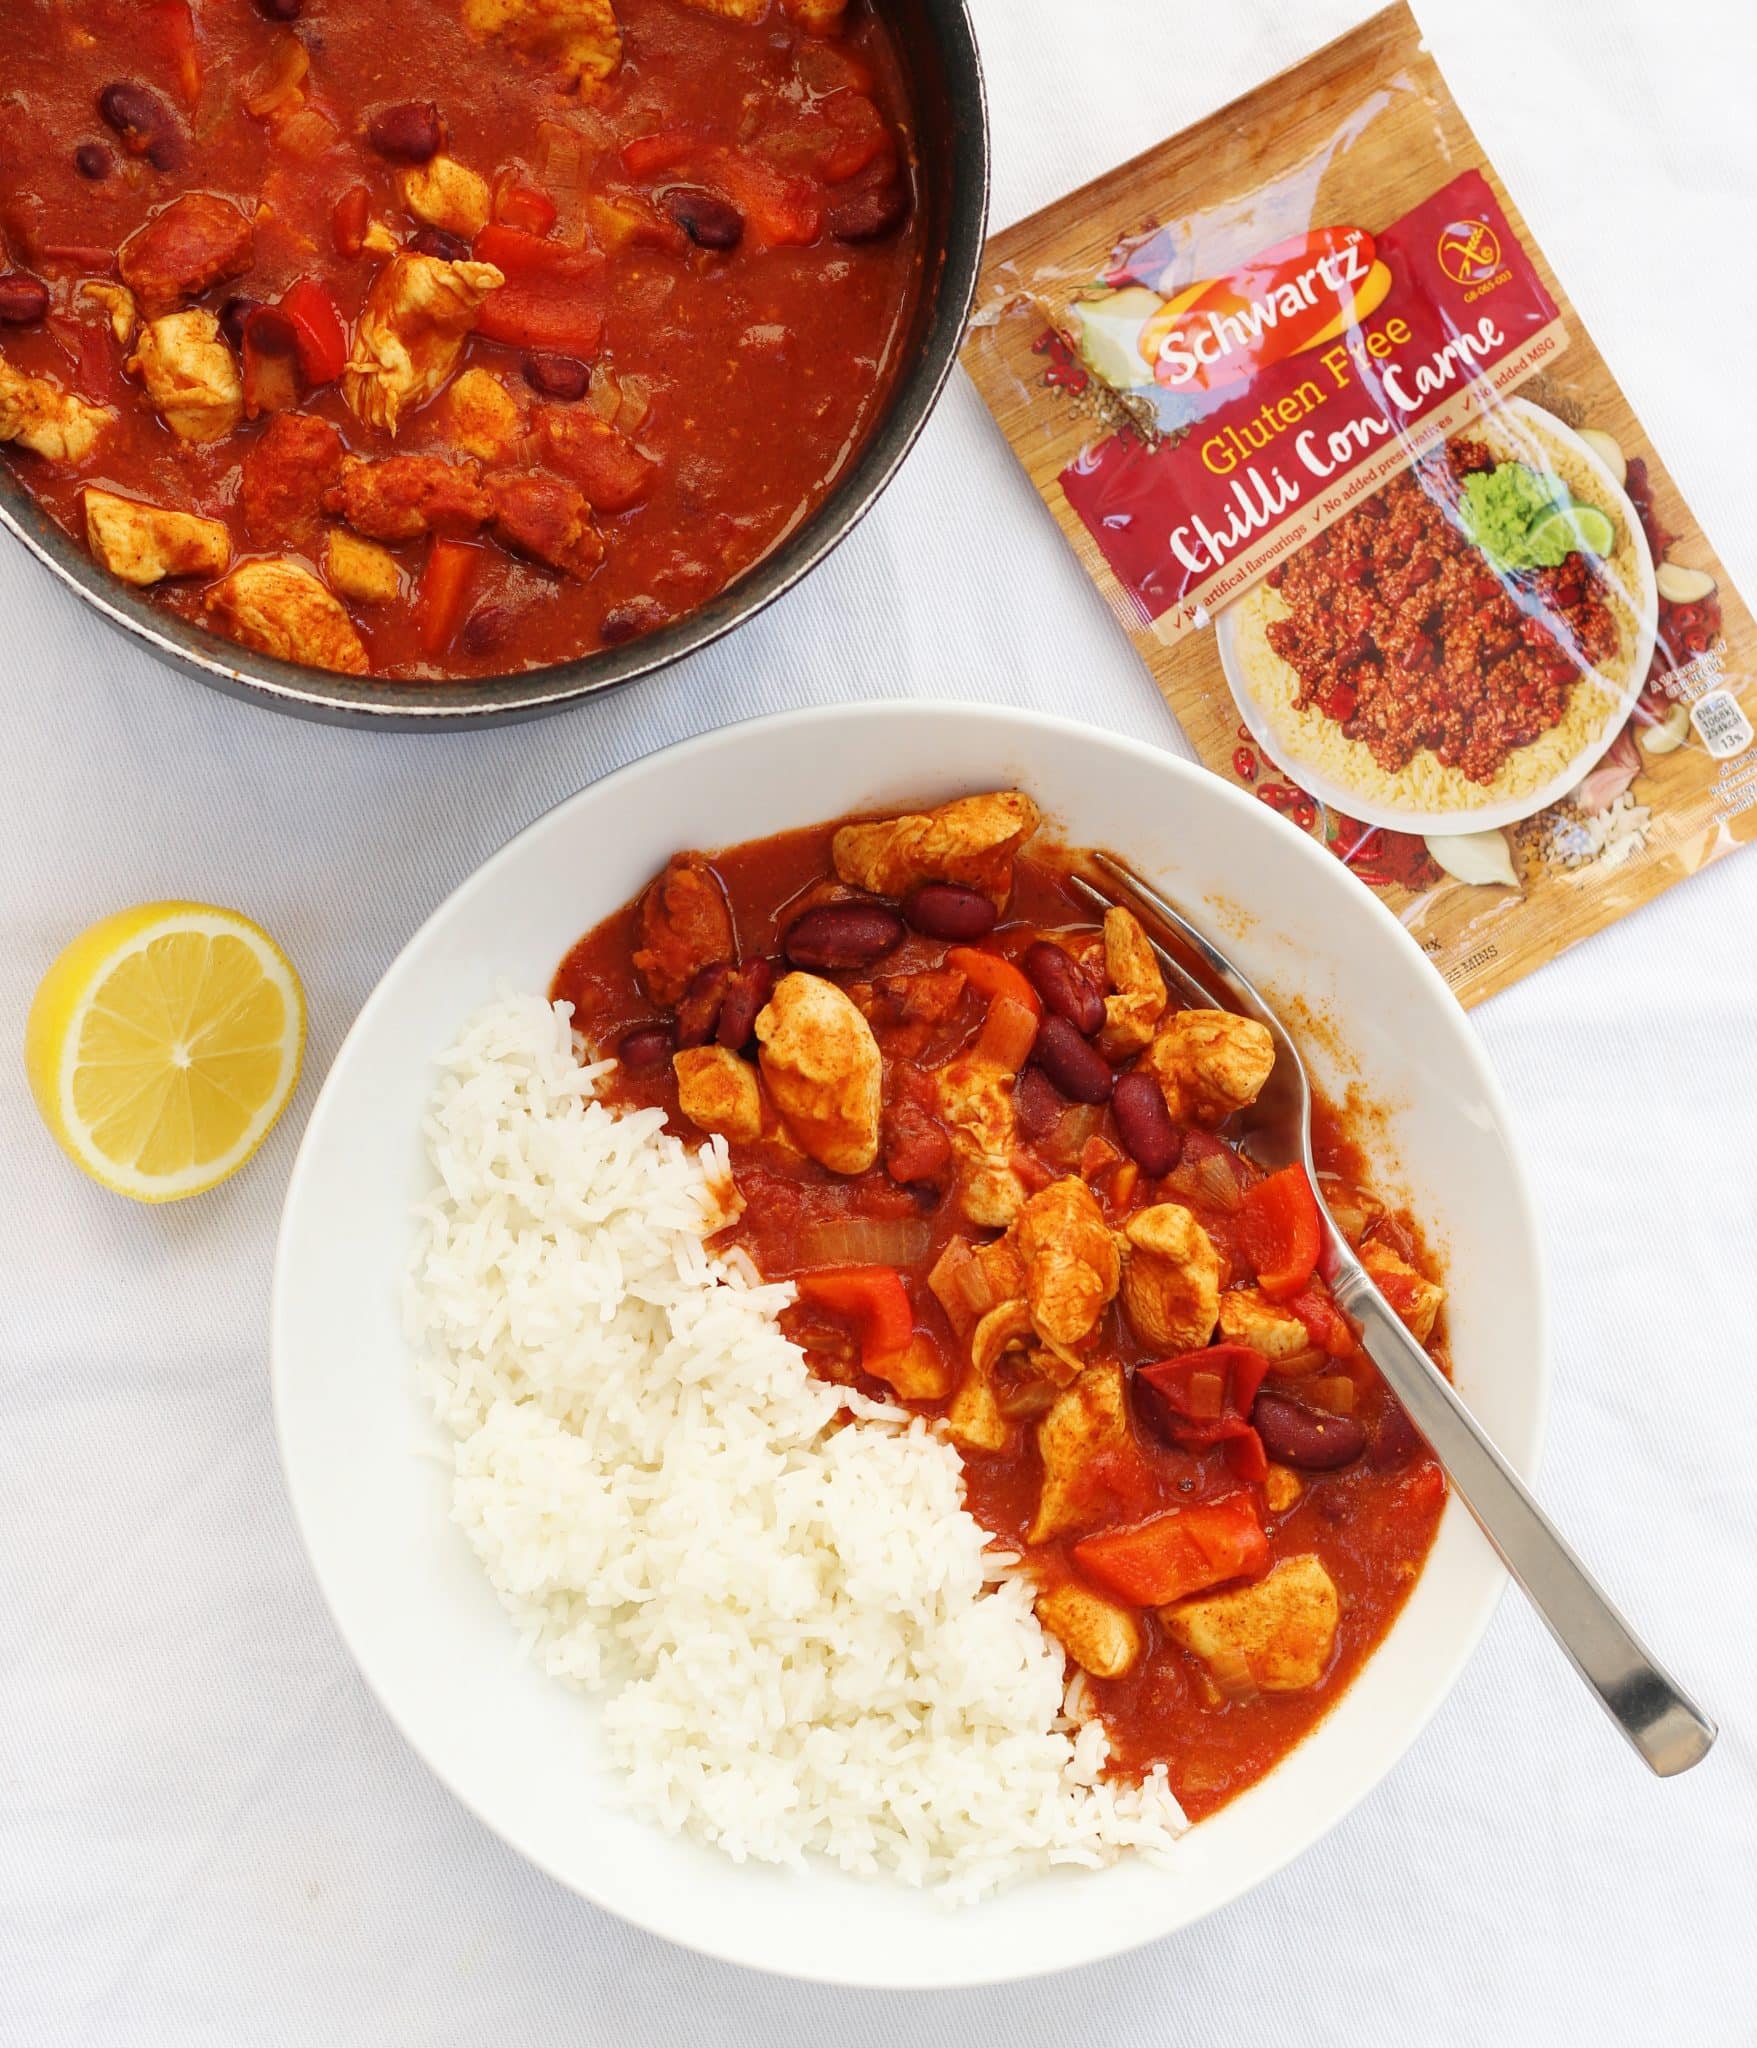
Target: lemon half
x=163, y=1044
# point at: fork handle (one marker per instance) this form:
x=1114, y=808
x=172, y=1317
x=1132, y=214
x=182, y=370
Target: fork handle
x=1664, y=1724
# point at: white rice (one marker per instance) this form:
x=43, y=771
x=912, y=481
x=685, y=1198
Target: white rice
x=802, y=1639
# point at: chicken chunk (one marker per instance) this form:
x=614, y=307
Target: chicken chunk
x=718, y=1091
x=403, y=497
x=823, y=1070
x=1091, y=1463
x=1171, y=1279
x=547, y=518
x=1281, y=1488
x=360, y=570
x=1413, y=1295
x=50, y=422
x=145, y=543
x=187, y=247
x=190, y=375
x=588, y=451
x=578, y=38
x=446, y=194
x=1099, y=1636
x=119, y=308
x=685, y=924
x=1278, y=1634
x=285, y=472
x=482, y=417
x=1070, y=1259
x=1209, y=1063
x=1248, y=1316
x=820, y=17
x=280, y=608
x=1137, y=1000
x=974, y=1097
x=971, y=842
x=411, y=332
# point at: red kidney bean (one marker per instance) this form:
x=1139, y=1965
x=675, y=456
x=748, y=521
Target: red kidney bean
x=136, y=114
x=1144, y=1124
x=1305, y=1438
x=699, y=1011
x=645, y=1047
x=486, y=628
x=869, y=215
x=625, y=622
x=747, y=989
x=92, y=160
x=709, y=221
x=943, y=910
x=1064, y=985
x=840, y=936
x=1076, y=1066
x=411, y=132
x=562, y=377
x=1396, y=1440
x=280, y=10
x=436, y=242
x=1037, y=1108
x=23, y=300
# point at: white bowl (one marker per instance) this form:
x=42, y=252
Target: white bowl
x=433, y=1642
x=1516, y=415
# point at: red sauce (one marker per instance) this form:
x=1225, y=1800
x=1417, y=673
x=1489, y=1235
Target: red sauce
x=1370, y=1523
x=748, y=376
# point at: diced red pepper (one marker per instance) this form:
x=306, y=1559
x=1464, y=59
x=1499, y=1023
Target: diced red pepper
x=1279, y=1232
x=323, y=340
x=873, y=1298
x=667, y=149
x=1246, y=1458
x=992, y=976
x=1008, y=1033
x=553, y=297
x=445, y=589
x=1175, y=1554
x=522, y=206
x=350, y=219
x=1183, y=1392
x=171, y=25
x=1325, y=1323
x=860, y=140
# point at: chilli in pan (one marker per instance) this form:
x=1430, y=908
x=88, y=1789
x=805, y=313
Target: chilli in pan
x=455, y=361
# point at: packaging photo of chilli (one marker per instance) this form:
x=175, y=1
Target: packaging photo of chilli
x=1318, y=419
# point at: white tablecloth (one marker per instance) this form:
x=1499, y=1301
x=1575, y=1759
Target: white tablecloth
x=208, y=1831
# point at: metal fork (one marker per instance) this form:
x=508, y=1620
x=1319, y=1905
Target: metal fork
x=1668, y=1729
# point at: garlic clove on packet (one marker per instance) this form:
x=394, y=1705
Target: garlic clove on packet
x=1483, y=858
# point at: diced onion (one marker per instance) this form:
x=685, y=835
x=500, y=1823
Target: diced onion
x=1067, y=1140
x=864, y=1241
x=1211, y=1179
x=1332, y=1391
x=1231, y=1672
x=278, y=78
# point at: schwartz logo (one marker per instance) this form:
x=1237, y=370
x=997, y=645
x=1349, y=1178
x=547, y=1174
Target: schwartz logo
x=1222, y=331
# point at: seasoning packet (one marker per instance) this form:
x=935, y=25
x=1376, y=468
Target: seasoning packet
x=1321, y=424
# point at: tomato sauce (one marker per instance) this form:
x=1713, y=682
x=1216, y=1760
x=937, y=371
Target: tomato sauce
x=744, y=379
x=1370, y=1523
